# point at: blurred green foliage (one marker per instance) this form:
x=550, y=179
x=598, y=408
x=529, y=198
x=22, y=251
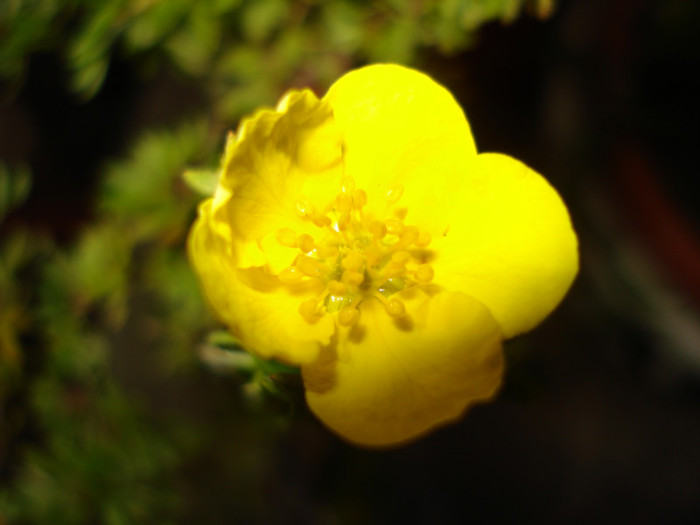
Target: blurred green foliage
x=75, y=446
x=243, y=51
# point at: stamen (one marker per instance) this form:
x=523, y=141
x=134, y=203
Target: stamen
x=394, y=226
x=423, y=239
x=347, y=183
x=303, y=208
x=373, y=256
x=286, y=237
x=309, y=310
x=424, y=274
x=393, y=306
x=393, y=270
x=394, y=194
x=305, y=242
x=343, y=203
x=290, y=274
x=321, y=221
x=401, y=257
x=343, y=222
x=352, y=278
x=356, y=256
x=377, y=229
x=348, y=316
x=353, y=261
x=359, y=198
x=337, y=288
x=309, y=266
x=327, y=251
x=409, y=236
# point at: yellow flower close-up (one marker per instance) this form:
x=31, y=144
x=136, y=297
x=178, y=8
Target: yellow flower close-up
x=361, y=237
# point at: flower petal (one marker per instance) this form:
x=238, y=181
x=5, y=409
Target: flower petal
x=387, y=381
x=277, y=158
x=510, y=244
x=404, y=132
x=259, y=309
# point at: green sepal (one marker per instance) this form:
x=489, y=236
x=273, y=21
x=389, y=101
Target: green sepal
x=271, y=367
x=230, y=355
x=202, y=181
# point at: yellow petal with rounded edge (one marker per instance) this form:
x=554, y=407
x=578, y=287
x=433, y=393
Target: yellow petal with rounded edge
x=260, y=311
x=385, y=381
x=277, y=158
x=510, y=243
x=402, y=132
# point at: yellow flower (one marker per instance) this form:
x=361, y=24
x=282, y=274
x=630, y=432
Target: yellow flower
x=361, y=237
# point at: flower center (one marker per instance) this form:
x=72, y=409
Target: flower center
x=355, y=256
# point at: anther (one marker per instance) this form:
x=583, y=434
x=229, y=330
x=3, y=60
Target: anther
x=352, y=261
x=348, y=316
x=343, y=203
x=326, y=251
x=337, y=288
x=343, y=222
x=395, y=307
x=409, y=236
x=286, y=237
x=393, y=270
x=424, y=274
x=305, y=242
x=373, y=256
x=308, y=266
x=321, y=221
x=423, y=239
x=309, y=310
x=347, y=184
x=394, y=226
x=377, y=229
x=401, y=258
x=352, y=278
x=290, y=274
x=394, y=194
x=359, y=198
x=303, y=208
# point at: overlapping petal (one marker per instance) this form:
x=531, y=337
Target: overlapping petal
x=385, y=381
x=277, y=157
x=510, y=243
x=260, y=311
x=402, y=133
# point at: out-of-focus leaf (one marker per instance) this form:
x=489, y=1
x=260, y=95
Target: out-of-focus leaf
x=100, y=461
x=245, y=98
x=89, y=52
x=155, y=23
x=144, y=192
x=25, y=26
x=262, y=17
x=343, y=25
x=14, y=188
x=397, y=43
x=177, y=314
x=194, y=44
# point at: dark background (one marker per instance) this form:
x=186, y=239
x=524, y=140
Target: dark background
x=599, y=418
